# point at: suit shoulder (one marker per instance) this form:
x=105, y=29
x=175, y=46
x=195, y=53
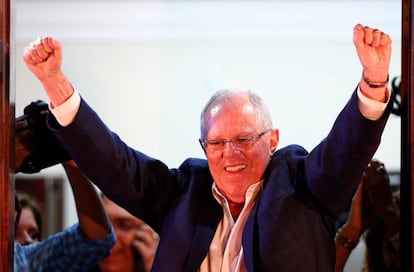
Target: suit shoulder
x=293, y=150
x=191, y=165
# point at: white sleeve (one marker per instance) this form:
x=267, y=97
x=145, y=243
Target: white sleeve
x=372, y=109
x=66, y=112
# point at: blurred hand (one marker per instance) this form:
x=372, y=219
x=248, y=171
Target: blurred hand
x=36, y=147
x=24, y=144
x=376, y=182
x=146, y=243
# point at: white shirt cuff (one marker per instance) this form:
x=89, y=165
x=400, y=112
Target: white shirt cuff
x=66, y=112
x=372, y=109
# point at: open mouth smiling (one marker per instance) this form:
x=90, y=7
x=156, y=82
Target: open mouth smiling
x=235, y=168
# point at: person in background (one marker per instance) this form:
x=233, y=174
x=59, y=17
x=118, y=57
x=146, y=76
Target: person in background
x=135, y=246
x=36, y=149
x=375, y=217
x=29, y=229
x=78, y=247
x=248, y=206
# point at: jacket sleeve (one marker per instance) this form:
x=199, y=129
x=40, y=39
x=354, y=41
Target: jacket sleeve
x=142, y=185
x=334, y=167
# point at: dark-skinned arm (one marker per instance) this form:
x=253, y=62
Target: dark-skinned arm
x=360, y=218
x=93, y=219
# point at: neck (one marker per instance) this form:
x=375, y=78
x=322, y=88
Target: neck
x=235, y=209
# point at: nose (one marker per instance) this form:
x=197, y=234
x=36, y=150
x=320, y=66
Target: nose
x=229, y=149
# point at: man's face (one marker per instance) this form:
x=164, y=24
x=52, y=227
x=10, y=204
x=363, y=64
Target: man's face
x=27, y=231
x=235, y=169
x=125, y=226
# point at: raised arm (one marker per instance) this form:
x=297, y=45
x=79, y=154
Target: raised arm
x=359, y=219
x=93, y=219
x=376, y=182
x=372, y=205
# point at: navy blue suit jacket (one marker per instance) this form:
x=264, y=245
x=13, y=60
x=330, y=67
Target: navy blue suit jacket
x=292, y=226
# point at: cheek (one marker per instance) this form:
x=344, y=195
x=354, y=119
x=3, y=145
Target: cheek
x=259, y=159
x=214, y=163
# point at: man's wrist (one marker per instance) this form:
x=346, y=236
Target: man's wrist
x=374, y=87
x=67, y=111
x=375, y=84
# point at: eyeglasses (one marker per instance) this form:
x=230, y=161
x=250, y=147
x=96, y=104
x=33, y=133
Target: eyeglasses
x=241, y=142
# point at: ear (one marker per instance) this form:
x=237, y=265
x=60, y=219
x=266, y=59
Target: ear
x=274, y=140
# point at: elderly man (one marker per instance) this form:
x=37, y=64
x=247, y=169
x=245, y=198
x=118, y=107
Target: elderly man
x=247, y=207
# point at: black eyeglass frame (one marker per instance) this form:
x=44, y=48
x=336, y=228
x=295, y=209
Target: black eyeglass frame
x=222, y=142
